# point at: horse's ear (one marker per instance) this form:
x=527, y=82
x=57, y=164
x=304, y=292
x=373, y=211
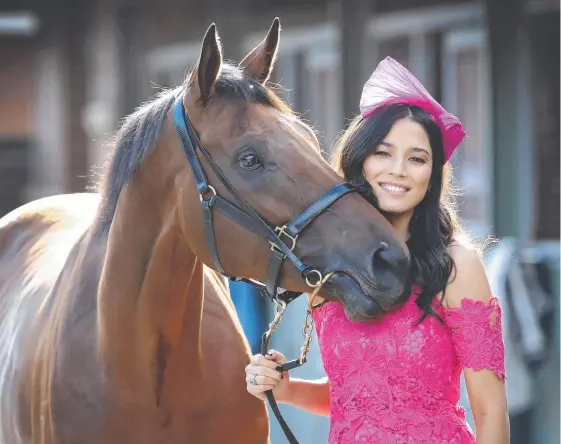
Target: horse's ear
x=208, y=66
x=260, y=61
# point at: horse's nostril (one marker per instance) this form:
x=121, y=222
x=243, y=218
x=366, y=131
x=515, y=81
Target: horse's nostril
x=384, y=257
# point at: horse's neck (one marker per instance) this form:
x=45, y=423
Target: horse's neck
x=150, y=296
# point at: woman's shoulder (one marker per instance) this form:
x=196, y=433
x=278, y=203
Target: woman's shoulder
x=468, y=279
x=462, y=245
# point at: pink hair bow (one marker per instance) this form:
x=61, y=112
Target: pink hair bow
x=392, y=83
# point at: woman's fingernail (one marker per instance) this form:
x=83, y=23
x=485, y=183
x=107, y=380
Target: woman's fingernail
x=269, y=353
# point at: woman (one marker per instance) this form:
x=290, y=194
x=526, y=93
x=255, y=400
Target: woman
x=397, y=379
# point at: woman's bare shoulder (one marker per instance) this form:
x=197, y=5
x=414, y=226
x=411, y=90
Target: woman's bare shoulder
x=469, y=279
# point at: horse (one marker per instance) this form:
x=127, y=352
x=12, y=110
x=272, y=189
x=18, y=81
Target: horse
x=115, y=323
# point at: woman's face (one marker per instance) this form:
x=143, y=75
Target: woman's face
x=399, y=169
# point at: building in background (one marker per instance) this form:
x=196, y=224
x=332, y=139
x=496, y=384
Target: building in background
x=72, y=69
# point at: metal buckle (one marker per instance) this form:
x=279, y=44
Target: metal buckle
x=280, y=231
x=209, y=188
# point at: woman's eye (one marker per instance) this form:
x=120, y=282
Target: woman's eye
x=381, y=153
x=250, y=162
x=418, y=160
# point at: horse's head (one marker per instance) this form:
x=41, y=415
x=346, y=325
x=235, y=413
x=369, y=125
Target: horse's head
x=272, y=159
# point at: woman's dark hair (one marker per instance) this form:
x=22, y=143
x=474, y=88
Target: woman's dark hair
x=434, y=225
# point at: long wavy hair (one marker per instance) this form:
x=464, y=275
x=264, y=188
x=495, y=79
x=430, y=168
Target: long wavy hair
x=434, y=225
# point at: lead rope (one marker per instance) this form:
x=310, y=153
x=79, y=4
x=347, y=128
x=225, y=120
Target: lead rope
x=307, y=330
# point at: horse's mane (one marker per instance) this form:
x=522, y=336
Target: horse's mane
x=138, y=132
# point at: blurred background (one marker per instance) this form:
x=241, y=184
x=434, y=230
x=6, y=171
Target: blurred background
x=71, y=69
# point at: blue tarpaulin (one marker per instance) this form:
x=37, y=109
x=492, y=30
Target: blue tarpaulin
x=252, y=311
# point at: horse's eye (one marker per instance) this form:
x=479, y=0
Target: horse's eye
x=250, y=161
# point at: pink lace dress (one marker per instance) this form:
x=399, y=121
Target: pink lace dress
x=395, y=382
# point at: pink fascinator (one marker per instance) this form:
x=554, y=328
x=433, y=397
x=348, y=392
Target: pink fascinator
x=392, y=83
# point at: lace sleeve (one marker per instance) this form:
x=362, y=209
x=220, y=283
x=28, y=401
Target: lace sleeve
x=477, y=335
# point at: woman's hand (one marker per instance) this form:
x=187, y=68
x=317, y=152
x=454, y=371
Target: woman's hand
x=263, y=374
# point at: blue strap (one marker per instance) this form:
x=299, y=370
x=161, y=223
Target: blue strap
x=188, y=148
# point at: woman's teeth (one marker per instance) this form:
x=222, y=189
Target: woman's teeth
x=394, y=188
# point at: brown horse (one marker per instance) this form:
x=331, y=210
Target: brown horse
x=113, y=326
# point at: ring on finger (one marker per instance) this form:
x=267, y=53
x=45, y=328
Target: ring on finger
x=253, y=380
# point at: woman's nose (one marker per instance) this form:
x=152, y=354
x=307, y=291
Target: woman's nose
x=397, y=167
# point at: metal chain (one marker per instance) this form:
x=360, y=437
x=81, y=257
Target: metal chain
x=280, y=307
x=308, y=327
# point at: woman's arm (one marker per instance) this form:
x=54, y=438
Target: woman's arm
x=312, y=396
x=475, y=321
x=487, y=397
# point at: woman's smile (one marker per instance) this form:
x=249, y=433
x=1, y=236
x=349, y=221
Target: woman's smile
x=394, y=189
